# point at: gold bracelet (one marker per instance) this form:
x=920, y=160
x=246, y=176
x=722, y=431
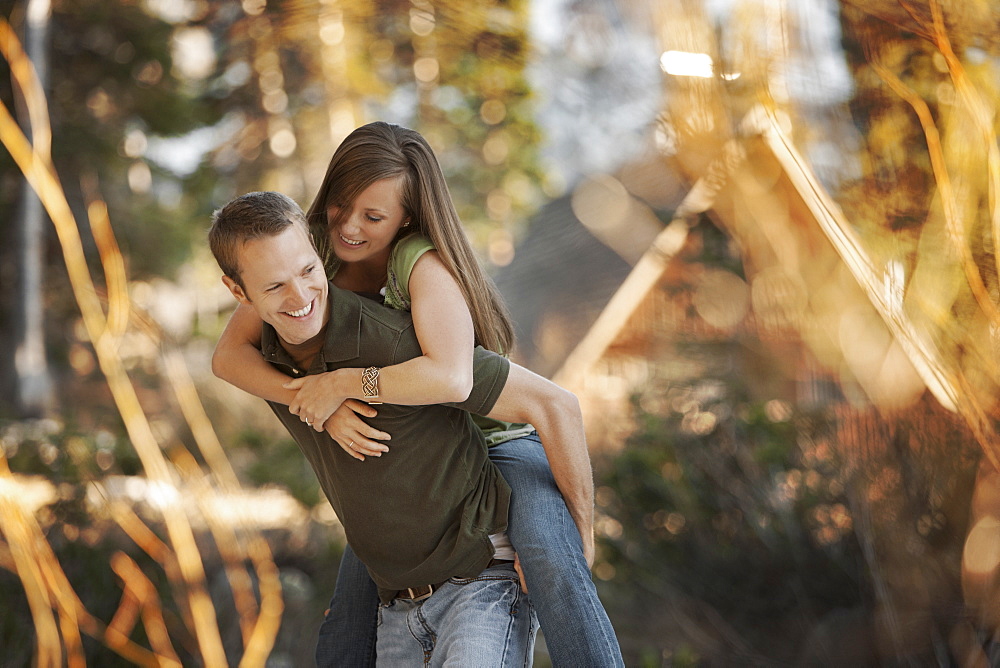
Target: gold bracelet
x=369, y=384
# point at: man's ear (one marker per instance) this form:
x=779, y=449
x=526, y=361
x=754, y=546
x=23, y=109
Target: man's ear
x=236, y=289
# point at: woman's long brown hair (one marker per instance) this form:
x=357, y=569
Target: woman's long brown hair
x=382, y=150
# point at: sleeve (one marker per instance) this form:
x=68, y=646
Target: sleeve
x=489, y=376
x=405, y=254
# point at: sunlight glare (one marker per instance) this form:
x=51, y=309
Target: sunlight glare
x=193, y=52
x=686, y=64
x=982, y=548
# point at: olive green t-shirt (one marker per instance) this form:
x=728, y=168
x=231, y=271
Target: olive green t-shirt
x=424, y=511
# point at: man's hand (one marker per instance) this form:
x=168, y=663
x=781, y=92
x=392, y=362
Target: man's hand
x=520, y=573
x=588, y=546
x=353, y=434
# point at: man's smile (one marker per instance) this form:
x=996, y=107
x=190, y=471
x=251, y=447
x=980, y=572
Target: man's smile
x=302, y=312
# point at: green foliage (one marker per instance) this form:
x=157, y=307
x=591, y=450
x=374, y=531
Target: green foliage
x=17, y=632
x=110, y=73
x=712, y=501
x=66, y=453
x=279, y=461
x=68, y=458
x=481, y=52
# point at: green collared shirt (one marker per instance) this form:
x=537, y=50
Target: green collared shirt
x=422, y=512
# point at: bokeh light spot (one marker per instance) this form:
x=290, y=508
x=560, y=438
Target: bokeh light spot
x=140, y=179
x=495, y=149
x=283, y=143
x=426, y=69
x=601, y=202
x=135, y=144
x=684, y=64
x=721, y=299
x=193, y=52
x=254, y=7
x=501, y=248
x=421, y=22
x=982, y=548
x=492, y=111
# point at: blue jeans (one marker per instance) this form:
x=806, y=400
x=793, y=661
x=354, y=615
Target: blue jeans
x=347, y=634
x=480, y=621
x=576, y=627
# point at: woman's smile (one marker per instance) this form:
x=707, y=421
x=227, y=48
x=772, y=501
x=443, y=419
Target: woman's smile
x=350, y=242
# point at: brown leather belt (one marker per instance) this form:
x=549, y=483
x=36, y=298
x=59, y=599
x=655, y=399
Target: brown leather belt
x=421, y=592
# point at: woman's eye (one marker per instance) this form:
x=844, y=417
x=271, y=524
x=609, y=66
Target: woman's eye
x=373, y=219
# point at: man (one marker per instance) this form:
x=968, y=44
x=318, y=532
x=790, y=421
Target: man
x=430, y=517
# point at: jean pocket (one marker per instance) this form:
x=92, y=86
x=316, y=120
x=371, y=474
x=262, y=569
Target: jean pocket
x=495, y=573
x=493, y=587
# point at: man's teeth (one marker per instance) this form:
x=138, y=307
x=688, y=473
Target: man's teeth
x=302, y=311
x=352, y=242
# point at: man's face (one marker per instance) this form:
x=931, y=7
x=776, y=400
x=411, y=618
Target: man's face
x=284, y=282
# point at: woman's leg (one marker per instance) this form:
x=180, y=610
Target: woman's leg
x=347, y=635
x=576, y=627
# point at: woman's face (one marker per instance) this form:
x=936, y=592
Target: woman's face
x=368, y=229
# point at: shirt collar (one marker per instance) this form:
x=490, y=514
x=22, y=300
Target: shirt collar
x=343, y=332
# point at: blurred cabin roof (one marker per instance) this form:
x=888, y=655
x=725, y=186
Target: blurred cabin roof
x=560, y=280
x=565, y=270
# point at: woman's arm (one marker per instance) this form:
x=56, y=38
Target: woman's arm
x=237, y=359
x=442, y=374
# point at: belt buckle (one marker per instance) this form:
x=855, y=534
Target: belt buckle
x=414, y=597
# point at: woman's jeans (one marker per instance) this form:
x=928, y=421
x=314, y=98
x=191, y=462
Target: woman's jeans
x=347, y=635
x=576, y=627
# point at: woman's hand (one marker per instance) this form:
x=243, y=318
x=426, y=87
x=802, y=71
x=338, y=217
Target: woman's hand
x=355, y=435
x=316, y=397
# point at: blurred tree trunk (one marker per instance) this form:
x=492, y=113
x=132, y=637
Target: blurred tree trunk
x=32, y=382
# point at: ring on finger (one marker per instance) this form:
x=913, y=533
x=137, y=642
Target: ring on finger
x=351, y=445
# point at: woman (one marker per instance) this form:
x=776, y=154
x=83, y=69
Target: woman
x=387, y=227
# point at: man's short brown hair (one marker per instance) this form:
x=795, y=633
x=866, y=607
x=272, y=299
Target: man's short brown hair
x=248, y=217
